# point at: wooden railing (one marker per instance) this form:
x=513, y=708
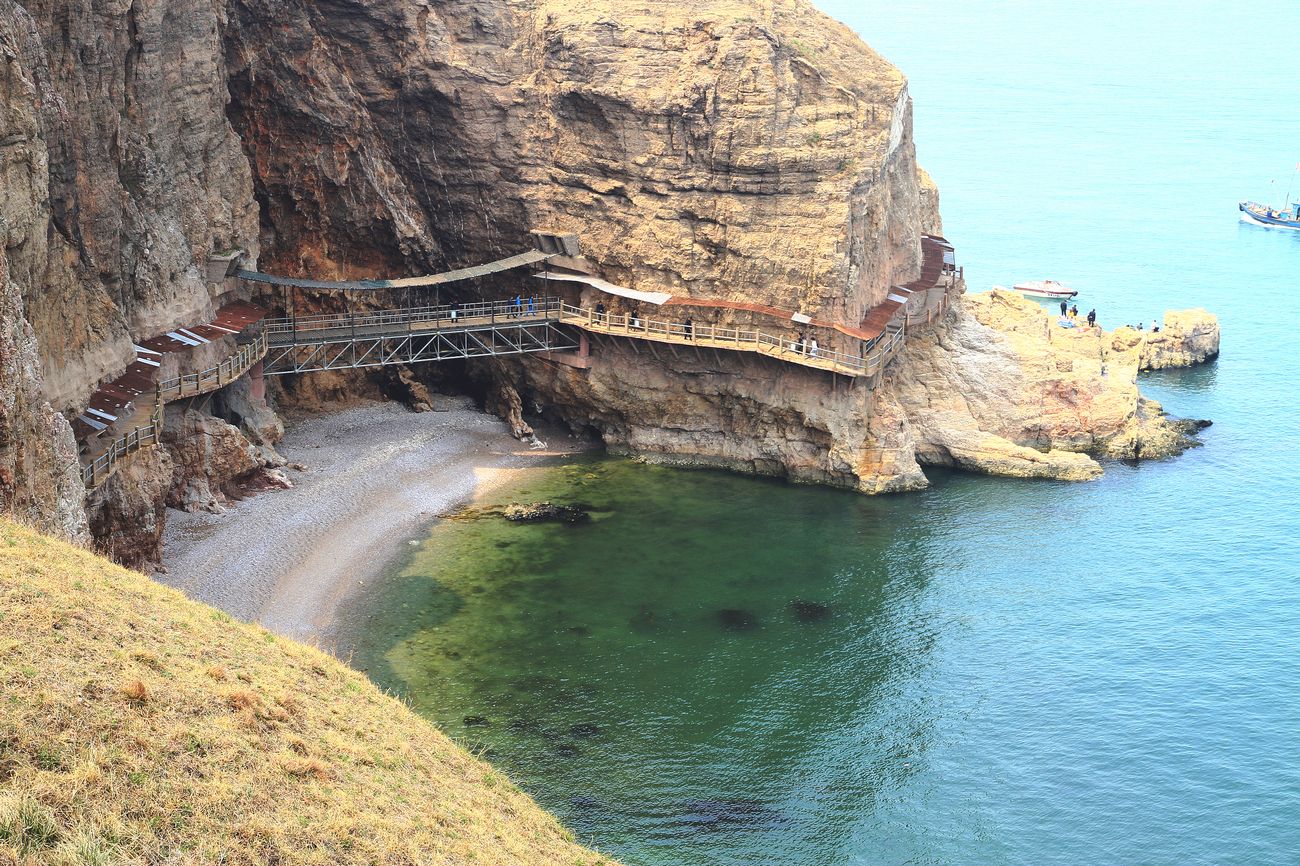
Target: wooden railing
x=214, y=378
x=102, y=467
x=876, y=355
x=99, y=470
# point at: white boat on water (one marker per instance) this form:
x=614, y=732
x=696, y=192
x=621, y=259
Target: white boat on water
x=1050, y=289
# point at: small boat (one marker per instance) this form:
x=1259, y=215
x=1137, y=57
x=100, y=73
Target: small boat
x=1049, y=289
x=1263, y=215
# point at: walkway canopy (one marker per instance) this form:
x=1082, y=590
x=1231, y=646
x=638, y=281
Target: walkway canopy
x=656, y=298
x=519, y=261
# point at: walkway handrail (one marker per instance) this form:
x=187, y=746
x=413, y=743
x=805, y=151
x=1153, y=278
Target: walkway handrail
x=442, y=313
x=214, y=378
x=741, y=338
x=875, y=355
x=98, y=470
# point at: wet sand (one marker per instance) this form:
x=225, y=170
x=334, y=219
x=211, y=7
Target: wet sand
x=377, y=476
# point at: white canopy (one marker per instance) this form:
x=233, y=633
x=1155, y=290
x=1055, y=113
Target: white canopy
x=656, y=298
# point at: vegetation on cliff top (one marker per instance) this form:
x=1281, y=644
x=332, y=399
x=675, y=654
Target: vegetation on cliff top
x=138, y=726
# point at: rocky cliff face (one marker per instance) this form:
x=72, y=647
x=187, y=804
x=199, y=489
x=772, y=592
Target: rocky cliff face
x=135, y=175
x=718, y=148
x=120, y=173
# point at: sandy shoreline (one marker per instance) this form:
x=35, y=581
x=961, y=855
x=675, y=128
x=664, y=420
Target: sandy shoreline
x=377, y=476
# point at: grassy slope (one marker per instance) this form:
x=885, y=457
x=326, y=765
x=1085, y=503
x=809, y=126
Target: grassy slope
x=139, y=726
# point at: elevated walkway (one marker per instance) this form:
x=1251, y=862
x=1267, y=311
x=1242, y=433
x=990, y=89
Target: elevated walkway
x=413, y=336
x=125, y=415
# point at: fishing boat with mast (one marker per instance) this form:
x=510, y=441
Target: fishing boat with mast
x=1285, y=217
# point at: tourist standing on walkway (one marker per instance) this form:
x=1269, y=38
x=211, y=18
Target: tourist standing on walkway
x=812, y=347
x=518, y=307
x=636, y=316
x=455, y=309
x=532, y=305
x=690, y=330
x=600, y=312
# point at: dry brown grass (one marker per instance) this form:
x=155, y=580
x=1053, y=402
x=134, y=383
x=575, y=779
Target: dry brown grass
x=139, y=727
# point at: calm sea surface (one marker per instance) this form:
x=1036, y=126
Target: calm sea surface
x=723, y=670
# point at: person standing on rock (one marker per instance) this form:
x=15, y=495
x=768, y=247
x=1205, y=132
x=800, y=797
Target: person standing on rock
x=1155, y=326
x=1092, y=318
x=1065, y=308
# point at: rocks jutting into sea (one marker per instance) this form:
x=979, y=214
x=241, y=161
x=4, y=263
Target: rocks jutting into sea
x=1000, y=388
x=538, y=512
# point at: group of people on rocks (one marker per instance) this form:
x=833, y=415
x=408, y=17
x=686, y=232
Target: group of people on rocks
x=1070, y=313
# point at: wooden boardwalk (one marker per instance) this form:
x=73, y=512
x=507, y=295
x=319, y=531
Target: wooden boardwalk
x=705, y=336
x=138, y=396
x=302, y=344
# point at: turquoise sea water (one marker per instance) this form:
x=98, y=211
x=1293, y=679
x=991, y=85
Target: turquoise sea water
x=724, y=670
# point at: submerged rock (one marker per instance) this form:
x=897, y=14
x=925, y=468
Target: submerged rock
x=476, y=722
x=809, y=611
x=735, y=619
x=586, y=729
x=731, y=813
x=537, y=512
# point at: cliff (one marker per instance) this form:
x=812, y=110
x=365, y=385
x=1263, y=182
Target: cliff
x=717, y=148
x=722, y=150
x=140, y=727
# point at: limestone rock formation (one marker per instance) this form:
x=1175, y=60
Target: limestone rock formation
x=128, y=512
x=1187, y=337
x=1000, y=388
x=137, y=175
x=718, y=149
x=211, y=461
x=119, y=175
